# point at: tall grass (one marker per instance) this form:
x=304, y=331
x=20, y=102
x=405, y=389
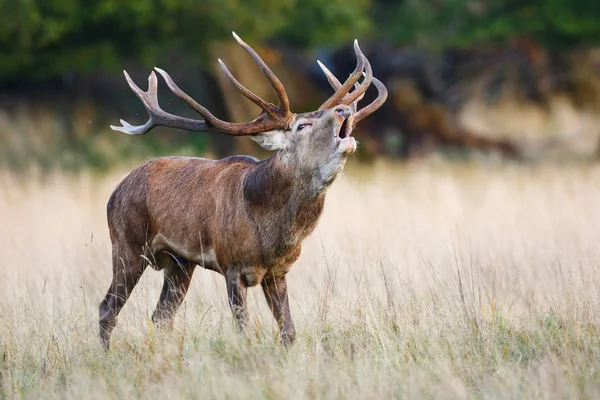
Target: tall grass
x=422, y=281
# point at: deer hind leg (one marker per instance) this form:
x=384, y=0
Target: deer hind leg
x=236, y=294
x=275, y=290
x=128, y=267
x=178, y=275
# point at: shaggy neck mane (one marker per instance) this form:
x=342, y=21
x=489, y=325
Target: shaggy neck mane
x=281, y=180
x=283, y=200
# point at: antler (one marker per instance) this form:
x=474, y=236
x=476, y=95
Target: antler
x=271, y=116
x=355, y=96
x=342, y=90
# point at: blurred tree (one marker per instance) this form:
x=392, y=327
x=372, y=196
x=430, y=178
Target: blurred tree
x=439, y=23
x=318, y=22
x=41, y=39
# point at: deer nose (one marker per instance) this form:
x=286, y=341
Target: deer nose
x=343, y=111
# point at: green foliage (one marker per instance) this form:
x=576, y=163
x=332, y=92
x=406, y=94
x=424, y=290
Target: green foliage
x=313, y=22
x=439, y=23
x=41, y=39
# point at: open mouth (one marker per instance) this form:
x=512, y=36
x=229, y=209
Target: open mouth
x=344, y=131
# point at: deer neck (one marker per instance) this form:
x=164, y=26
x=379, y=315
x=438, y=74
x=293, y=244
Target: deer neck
x=283, y=178
x=288, y=197
x=315, y=175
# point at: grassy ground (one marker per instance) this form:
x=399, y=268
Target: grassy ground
x=423, y=281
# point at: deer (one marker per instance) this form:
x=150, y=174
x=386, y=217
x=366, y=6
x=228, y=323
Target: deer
x=241, y=217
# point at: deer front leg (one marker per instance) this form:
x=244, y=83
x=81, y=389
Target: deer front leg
x=275, y=289
x=236, y=294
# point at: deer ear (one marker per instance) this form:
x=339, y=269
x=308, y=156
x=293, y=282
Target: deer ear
x=272, y=140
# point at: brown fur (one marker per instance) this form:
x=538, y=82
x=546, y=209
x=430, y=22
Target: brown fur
x=243, y=218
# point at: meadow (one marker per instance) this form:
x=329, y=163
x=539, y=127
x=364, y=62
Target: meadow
x=423, y=280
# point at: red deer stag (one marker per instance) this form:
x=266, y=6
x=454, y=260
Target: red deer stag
x=238, y=216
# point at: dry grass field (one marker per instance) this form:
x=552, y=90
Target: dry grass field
x=421, y=281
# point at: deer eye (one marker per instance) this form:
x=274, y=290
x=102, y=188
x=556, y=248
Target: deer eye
x=302, y=126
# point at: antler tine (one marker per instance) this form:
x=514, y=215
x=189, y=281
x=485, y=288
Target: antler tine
x=352, y=79
x=149, y=100
x=362, y=88
x=157, y=116
x=211, y=119
x=245, y=91
x=365, y=111
x=333, y=81
x=284, y=102
x=375, y=104
x=335, y=84
x=354, y=104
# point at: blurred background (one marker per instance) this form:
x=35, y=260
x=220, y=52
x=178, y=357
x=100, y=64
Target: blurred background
x=519, y=79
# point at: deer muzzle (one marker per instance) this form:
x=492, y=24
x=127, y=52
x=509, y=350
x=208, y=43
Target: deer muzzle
x=345, y=118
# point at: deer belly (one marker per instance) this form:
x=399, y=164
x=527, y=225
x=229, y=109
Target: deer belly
x=202, y=256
